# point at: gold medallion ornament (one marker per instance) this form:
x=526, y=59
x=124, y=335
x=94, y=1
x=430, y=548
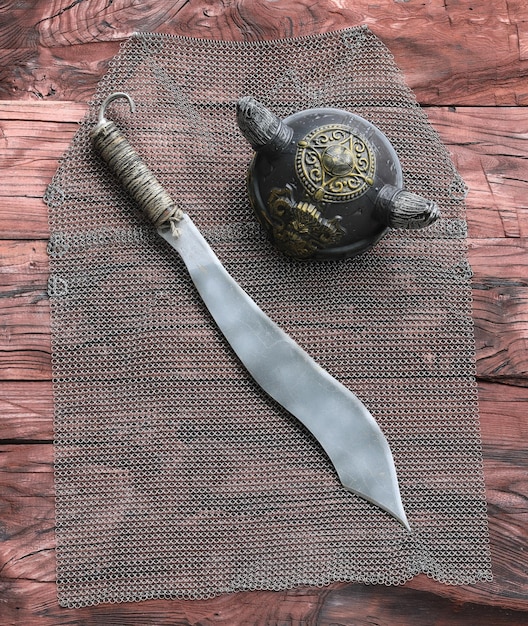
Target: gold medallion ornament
x=334, y=164
x=298, y=228
x=326, y=183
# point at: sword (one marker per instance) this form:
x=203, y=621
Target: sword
x=343, y=426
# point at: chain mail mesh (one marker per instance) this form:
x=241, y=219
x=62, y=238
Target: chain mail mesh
x=176, y=476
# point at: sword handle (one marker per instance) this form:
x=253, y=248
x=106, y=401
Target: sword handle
x=130, y=171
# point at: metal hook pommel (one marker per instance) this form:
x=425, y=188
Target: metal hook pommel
x=111, y=98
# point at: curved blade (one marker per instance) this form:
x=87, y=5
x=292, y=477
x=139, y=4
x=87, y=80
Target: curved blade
x=334, y=415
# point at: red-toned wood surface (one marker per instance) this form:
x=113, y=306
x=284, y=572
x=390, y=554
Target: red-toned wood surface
x=468, y=63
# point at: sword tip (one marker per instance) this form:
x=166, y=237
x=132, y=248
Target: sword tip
x=396, y=511
x=403, y=521
x=390, y=503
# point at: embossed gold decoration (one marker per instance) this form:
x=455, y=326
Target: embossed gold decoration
x=334, y=164
x=298, y=228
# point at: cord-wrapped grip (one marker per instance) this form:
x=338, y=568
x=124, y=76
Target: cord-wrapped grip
x=131, y=172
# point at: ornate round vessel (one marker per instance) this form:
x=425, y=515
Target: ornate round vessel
x=326, y=183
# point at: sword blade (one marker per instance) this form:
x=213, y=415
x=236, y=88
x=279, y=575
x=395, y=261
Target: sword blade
x=336, y=417
x=340, y=422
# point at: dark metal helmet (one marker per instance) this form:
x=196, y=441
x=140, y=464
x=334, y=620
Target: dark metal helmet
x=326, y=183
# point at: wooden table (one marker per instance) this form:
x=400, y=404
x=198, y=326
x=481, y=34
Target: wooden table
x=467, y=62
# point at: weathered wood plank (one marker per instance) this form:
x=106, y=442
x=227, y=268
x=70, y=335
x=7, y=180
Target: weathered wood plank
x=27, y=549
x=500, y=308
x=25, y=350
x=33, y=136
x=500, y=311
x=34, y=602
x=503, y=414
x=62, y=112
x=336, y=605
x=25, y=342
x=26, y=408
x=488, y=147
x=23, y=267
x=27, y=522
x=27, y=411
x=23, y=218
x=457, y=52
x=394, y=607
x=29, y=156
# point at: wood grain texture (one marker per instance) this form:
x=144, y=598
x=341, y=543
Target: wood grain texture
x=27, y=561
x=27, y=169
x=488, y=146
x=471, y=57
x=27, y=411
x=25, y=342
x=500, y=310
x=489, y=150
x=456, y=52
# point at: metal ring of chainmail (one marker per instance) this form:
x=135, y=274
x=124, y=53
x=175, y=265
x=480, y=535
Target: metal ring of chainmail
x=176, y=476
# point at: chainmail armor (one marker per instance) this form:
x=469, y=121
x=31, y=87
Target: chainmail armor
x=176, y=476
